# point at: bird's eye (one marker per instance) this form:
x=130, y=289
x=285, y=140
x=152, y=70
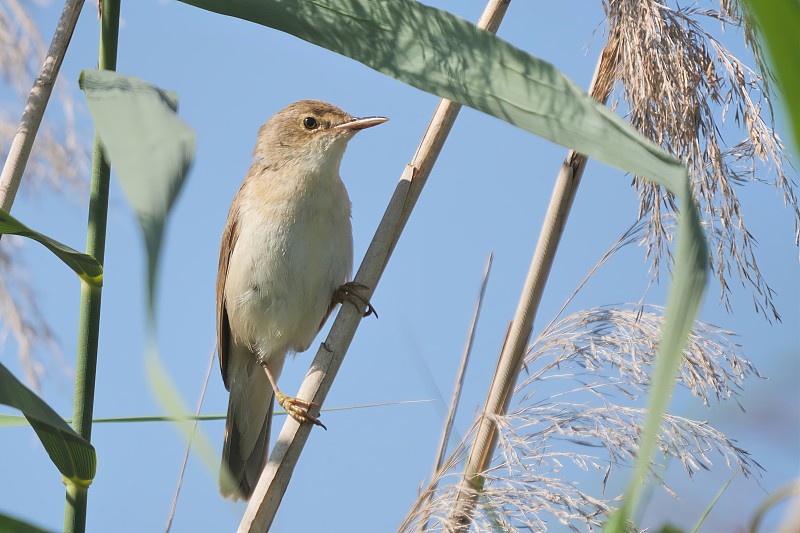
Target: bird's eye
x=310, y=123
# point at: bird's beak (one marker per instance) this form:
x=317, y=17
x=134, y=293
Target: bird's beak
x=361, y=123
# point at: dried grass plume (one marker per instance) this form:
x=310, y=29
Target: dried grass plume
x=684, y=89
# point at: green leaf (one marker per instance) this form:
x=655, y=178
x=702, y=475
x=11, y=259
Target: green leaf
x=85, y=266
x=151, y=150
x=166, y=392
x=9, y=523
x=778, y=21
x=440, y=53
x=685, y=295
x=148, y=146
x=73, y=456
x=443, y=54
x=712, y=503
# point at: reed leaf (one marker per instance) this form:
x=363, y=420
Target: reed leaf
x=85, y=266
x=74, y=457
x=150, y=147
x=151, y=150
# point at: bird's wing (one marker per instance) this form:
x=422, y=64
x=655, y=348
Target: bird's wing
x=229, y=238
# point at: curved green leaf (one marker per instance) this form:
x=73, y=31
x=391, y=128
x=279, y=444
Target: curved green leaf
x=151, y=150
x=443, y=54
x=85, y=266
x=74, y=457
x=148, y=146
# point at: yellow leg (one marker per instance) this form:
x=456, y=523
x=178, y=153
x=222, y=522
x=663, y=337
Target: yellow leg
x=297, y=408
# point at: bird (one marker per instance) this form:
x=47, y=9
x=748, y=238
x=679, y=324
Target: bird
x=285, y=262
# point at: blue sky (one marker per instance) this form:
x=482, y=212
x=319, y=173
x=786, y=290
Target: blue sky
x=488, y=192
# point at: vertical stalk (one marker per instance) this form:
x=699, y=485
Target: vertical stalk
x=511, y=356
x=454, y=401
x=89, y=321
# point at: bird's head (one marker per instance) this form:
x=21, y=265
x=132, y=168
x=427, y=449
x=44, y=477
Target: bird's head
x=309, y=133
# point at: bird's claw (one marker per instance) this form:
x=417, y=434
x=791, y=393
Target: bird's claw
x=298, y=409
x=351, y=292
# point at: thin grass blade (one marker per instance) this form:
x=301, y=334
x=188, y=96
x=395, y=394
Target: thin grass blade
x=713, y=502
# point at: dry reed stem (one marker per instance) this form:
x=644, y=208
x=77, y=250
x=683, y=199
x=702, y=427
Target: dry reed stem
x=276, y=475
x=38, y=98
x=509, y=364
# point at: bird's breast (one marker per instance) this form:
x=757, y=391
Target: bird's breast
x=294, y=248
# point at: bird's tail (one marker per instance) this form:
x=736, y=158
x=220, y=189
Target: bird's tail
x=247, y=426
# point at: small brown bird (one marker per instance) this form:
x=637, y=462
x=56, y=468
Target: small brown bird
x=286, y=255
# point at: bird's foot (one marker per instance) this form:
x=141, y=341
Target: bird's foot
x=351, y=292
x=298, y=409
